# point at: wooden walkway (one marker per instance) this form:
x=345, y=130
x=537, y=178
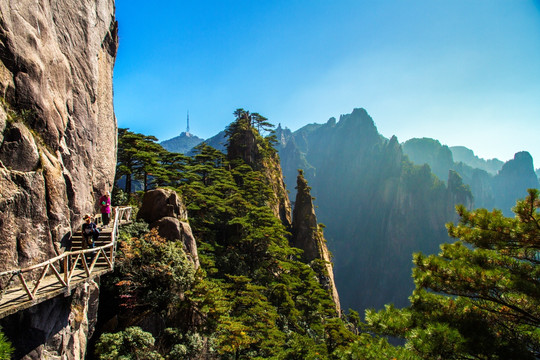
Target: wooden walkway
x=63, y=273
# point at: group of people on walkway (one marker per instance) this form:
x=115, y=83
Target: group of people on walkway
x=90, y=231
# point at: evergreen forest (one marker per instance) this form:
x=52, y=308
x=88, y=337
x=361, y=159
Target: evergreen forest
x=254, y=297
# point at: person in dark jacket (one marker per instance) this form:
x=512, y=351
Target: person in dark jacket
x=90, y=233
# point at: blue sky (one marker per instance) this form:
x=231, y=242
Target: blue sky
x=465, y=72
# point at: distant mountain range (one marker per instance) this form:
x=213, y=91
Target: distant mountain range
x=382, y=201
x=182, y=143
x=494, y=184
x=467, y=156
x=185, y=142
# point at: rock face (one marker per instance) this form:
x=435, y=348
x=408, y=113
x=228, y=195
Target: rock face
x=307, y=235
x=57, y=126
x=163, y=209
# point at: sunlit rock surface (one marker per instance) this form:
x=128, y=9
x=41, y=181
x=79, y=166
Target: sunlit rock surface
x=57, y=140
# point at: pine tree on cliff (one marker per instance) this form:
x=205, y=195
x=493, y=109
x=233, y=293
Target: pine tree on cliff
x=138, y=157
x=480, y=297
x=244, y=140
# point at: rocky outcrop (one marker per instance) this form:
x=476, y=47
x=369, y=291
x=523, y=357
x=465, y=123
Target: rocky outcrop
x=161, y=203
x=57, y=131
x=280, y=204
x=164, y=210
x=307, y=235
x=246, y=144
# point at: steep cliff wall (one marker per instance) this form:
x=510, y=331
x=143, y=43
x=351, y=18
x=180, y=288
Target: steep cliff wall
x=57, y=125
x=246, y=146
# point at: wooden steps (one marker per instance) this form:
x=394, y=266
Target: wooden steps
x=104, y=239
x=23, y=288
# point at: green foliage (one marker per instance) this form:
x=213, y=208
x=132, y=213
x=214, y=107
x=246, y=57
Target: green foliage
x=5, y=347
x=140, y=156
x=119, y=197
x=480, y=297
x=130, y=344
x=185, y=344
x=136, y=229
x=252, y=298
x=154, y=273
x=367, y=347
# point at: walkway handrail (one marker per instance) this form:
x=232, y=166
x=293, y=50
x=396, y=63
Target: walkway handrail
x=61, y=264
x=68, y=261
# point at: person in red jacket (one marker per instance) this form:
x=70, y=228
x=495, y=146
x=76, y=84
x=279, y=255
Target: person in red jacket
x=105, y=205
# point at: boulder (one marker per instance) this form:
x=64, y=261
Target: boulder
x=172, y=229
x=161, y=203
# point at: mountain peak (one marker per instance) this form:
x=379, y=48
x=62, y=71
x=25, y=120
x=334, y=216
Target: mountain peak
x=358, y=117
x=181, y=143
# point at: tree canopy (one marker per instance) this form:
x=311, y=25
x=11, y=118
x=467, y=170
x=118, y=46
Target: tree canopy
x=254, y=298
x=480, y=297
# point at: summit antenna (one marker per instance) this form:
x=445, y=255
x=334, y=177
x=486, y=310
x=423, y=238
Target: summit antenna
x=187, y=130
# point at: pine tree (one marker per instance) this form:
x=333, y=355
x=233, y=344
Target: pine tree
x=480, y=297
x=138, y=157
x=5, y=347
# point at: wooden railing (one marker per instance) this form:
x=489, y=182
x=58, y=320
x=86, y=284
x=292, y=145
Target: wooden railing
x=63, y=266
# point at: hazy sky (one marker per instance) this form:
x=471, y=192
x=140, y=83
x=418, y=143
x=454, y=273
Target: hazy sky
x=465, y=72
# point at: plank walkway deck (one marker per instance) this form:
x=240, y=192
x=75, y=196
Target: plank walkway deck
x=16, y=299
x=62, y=274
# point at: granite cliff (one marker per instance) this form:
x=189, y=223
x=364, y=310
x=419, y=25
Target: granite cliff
x=57, y=150
x=307, y=235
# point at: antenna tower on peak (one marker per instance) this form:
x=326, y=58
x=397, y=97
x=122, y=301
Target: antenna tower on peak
x=187, y=130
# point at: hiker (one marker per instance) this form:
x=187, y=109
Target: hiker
x=105, y=204
x=90, y=234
